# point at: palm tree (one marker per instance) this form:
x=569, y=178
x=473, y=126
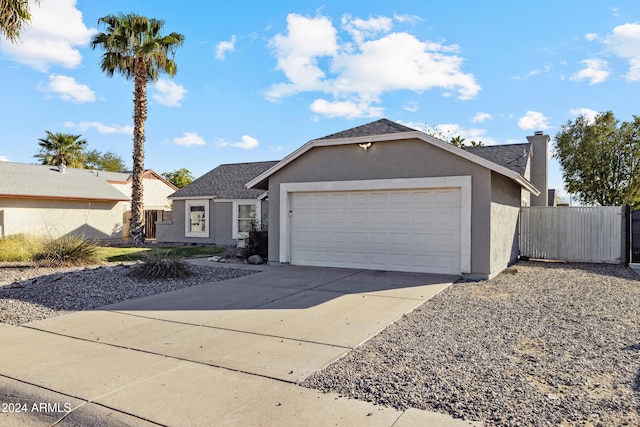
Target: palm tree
x=458, y=141
x=13, y=15
x=135, y=48
x=61, y=149
x=477, y=144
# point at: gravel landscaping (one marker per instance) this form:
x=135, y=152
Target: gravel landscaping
x=548, y=344
x=28, y=293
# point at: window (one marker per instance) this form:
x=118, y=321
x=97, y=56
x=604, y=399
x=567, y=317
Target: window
x=244, y=214
x=196, y=218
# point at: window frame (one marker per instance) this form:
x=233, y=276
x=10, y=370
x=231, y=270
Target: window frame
x=188, y=204
x=235, y=233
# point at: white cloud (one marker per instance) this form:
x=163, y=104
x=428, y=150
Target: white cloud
x=534, y=120
x=411, y=19
x=4, y=159
x=168, y=93
x=307, y=40
x=101, y=128
x=188, y=139
x=346, y=109
x=68, y=89
x=361, y=29
x=52, y=38
x=590, y=36
x=225, y=46
x=315, y=59
x=624, y=42
x=480, y=117
x=589, y=114
x=411, y=106
x=595, y=70
x=246, y=143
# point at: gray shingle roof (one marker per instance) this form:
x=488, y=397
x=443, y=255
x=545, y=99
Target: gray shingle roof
x=379, y=127
x=42, y=181
x=511, y=156
x=226, y=182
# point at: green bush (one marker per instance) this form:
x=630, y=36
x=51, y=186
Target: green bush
x=69, y=250
x=156, y=265
x=19, y=248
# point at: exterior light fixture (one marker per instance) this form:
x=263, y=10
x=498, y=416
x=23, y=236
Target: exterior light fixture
x=365, y=145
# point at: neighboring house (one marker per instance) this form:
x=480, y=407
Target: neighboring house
x=156, y=190
x=155, y=197
x=384, y=196
x=217, y=208
x=51, y=202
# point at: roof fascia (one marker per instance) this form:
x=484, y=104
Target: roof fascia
x=522, y=181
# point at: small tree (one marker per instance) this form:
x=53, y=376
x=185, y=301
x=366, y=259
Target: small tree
x=600, y=160
x=180, y=177
x=108, y=161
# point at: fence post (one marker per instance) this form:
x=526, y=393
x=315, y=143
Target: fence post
x=626, y=235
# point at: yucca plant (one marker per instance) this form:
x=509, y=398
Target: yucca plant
x=161, y=266
x=69, y=250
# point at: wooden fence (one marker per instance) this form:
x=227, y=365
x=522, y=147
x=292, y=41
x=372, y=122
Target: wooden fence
x=578, y=234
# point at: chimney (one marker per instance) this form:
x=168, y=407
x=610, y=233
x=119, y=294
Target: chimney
x=62, y=167
x=540, y=148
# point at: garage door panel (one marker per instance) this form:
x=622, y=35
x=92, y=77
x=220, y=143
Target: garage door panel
x=403, y=230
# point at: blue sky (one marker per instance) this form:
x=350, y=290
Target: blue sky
x=256, y=80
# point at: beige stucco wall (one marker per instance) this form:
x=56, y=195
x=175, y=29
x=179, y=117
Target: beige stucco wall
x=54, y=218
x=388, y=160
x=505, y=211
x=155, y=193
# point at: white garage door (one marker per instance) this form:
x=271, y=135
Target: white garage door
x=400, y=230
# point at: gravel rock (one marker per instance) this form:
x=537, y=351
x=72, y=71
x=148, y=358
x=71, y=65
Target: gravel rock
x=548, y=344
x=28, y=294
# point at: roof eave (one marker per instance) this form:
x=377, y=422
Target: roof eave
x=523, y=182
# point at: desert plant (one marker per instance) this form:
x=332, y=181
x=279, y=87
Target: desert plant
x=19, y=248
x=157, y=265
x=69, y=250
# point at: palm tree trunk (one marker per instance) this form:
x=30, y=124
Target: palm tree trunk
x=136, y=232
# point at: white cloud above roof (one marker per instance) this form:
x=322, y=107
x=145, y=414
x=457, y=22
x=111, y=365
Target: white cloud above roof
x=225, y=46
x=53, y=36
x=168, y=93
x=68, y=89
x=246, y=143
x=189, y=139
x=534, y=120
x=100, y=128
x=316, y=58
x=596, y=71
x=480, y=117
x=624, y=42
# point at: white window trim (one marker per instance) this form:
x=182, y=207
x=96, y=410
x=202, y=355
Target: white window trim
x=462, y=182
x=187, y=218
x=235, y=234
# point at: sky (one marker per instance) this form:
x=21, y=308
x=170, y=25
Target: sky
x=256, y=80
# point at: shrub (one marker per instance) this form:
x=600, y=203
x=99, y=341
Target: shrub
x=161, y=266
x=19, y=248
x=69, y=250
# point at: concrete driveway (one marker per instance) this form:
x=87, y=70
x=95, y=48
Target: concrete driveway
x=225, y=353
